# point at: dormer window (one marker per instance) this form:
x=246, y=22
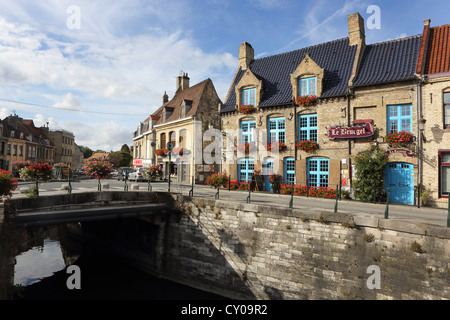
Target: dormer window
x=249, y=96
x=12, y=134
x=307, y=86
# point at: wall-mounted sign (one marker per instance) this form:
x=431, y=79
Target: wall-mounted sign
x=137, y=162
x=408, y=153
x=350, y=132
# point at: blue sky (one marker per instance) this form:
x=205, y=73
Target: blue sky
x=102, y=77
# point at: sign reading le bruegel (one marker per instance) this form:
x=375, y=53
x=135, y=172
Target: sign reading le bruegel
x=350, y=132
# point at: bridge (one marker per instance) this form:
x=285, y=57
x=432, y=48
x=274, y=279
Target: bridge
x=61, y=209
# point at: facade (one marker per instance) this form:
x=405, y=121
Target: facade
x=433, y=69
x=360, y=94
x=21, y=141
x=183, y=120
x=64, y=146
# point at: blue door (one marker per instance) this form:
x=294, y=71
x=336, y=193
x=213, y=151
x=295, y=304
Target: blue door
x=267, y=172
x=400, y=181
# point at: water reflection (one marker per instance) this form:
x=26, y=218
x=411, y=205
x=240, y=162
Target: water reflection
x=33, y=263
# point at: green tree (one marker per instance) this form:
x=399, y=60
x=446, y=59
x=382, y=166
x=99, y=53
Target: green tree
x=87, y=152
x=120, y=159
x=370, y=167
x=125, y=148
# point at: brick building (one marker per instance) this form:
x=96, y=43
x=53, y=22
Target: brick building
x=363, y=92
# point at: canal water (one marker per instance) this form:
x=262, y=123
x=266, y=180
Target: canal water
x=34, y=262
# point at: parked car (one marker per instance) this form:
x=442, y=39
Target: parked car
x=123, y=173
x=136, y=175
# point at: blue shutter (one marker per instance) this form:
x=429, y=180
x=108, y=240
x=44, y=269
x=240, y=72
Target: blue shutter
x=289, y=171
x=307, y=126
x=277, y=130
x=246, y=169
x=318, y=172
x=307, y=86
x=399, y=118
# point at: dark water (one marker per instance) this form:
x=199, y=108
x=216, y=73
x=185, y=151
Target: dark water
x=42, y=256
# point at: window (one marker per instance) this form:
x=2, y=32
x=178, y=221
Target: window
x=308, y=127
x=2, y=151
x=289, y=171
x=15, y=150
x=307, y=86
x=246, y=168
x=399, y=118
x=163, y=140
x=246, y=131
x=444, y=173
x=446, y=109
x=318, y=172
x=8, y=151
x=277, y=130
x=21, y=151
x=249, y=96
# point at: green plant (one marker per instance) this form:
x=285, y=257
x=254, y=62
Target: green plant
x=370, y=165
x=307, y=145
x=217, y=180
x=399, y=139
x=7, y=183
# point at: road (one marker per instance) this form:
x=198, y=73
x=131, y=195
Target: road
x=435, y=216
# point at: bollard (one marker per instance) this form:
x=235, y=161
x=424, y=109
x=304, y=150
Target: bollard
x=149, y=186
x=217, y=193
x=374, y=192
x=386, y=211
x=99, y=186
x=291, y=202
x=125, y=187
x=249, y=192
x=307, y=188
x=229, y=183
x=69, y=189
x=448, y=213
x=191, y=192
x=337, y=199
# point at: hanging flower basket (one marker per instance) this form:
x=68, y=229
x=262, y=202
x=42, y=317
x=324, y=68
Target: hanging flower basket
x=306, y=101
x=217, y=180
x=247, y=147
x=276, y=145
x=162, y=152
x=153, y=172
x=246, y=108
x=399, y=139
x=307, y=145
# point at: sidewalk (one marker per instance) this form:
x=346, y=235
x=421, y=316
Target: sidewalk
x=428, y=215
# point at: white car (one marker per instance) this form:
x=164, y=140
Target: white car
x=136, y=175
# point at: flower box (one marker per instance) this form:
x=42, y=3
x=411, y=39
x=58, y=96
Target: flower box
x=307, y=145
x=276, y=145
x=399, y=139
x=246, y=108
x=162, y=152
x=247, y=147
x=306, y=101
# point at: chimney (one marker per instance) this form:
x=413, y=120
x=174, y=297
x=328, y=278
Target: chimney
x=182, y=82
x=356, y=30
x=246, y=55
x=422, y=59
x=165, y=98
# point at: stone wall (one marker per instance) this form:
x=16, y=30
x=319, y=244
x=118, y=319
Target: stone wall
x=247, y=251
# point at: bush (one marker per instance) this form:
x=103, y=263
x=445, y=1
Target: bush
x=217, y=180
x=37, y=172
x=99, y=169
x=7, y=183
x=370, y=165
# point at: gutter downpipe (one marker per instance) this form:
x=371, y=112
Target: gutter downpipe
x=419, y=134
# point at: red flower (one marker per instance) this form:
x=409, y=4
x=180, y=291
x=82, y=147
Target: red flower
x=246, y=108
x=306, y=100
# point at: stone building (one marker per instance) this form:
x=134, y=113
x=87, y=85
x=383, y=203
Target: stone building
x=360, y=93
x=433, y=68
x=65, y=144
x=183, y=120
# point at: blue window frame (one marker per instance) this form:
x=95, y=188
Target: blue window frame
x=246, y=169
x=277, y=130
x=307, y=126
x=318, y=172
x=249, y=96
x=399, y=118
x=246, y=131
x=289, y=171
x=307, y=86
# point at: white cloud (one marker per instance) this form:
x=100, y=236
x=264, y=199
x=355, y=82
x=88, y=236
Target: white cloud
x=69, y=101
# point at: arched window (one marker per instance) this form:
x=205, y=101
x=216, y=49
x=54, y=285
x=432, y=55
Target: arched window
x=163, y=140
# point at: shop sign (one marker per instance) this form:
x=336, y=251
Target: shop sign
x=137, y=162
x=350, y=132
x=404, y=151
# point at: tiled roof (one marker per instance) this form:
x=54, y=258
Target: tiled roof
x=389, y=61
x=336, y=57
x=193, y=94
x=438, y=53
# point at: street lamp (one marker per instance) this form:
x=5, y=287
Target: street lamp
x=421, y=126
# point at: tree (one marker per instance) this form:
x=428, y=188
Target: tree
x=125, y=148
x=120, y=159
x=87, y=152
x=370, y=165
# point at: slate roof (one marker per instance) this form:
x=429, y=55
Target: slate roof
x=336, y=57
x=389, y=61
x=438, y=53
x=193, y=94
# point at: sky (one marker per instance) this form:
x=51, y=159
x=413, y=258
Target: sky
x=97, y=68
